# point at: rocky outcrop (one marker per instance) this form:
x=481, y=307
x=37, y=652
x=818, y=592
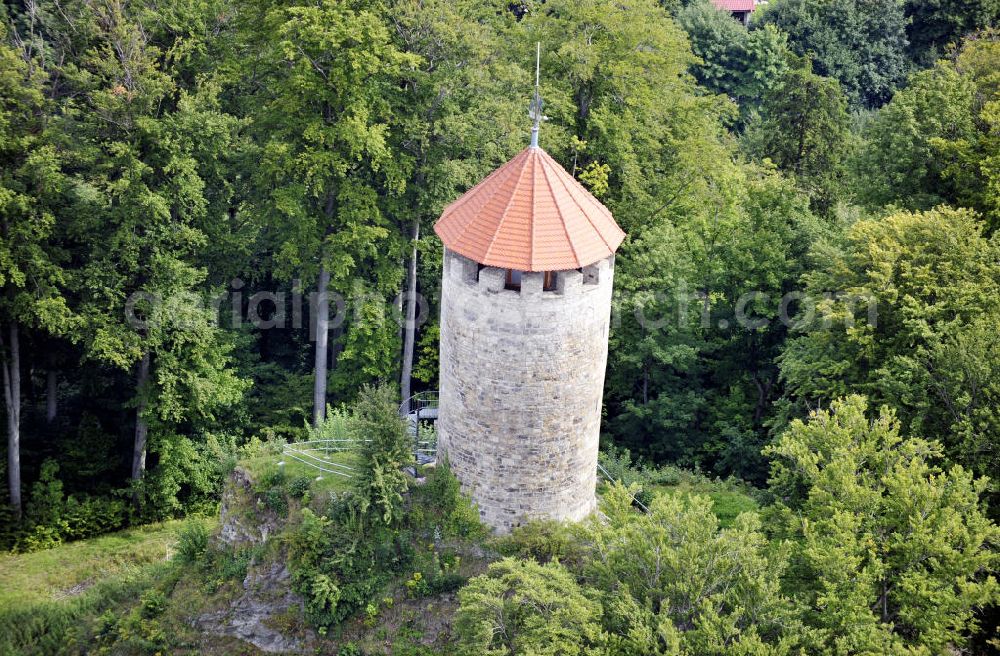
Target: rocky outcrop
x=240, y=522
x=253, y=617
x=261, y=614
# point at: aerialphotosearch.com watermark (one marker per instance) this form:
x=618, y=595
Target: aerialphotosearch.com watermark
x=679, y=308
x=754, y=310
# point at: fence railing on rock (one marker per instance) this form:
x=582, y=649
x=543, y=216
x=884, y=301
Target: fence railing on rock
x=318, y=455
x=419, y=409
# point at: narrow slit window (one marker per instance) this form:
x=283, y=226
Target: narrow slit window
x=549, y=281
x=513, y=280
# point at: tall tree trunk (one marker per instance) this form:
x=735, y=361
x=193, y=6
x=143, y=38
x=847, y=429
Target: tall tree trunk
x=322, y=344
x=11, y=366
x=410, y=323
x=51, y=395
x=141, y=426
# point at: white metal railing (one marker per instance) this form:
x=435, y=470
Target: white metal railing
x=427, y=400
x=611, y=479
x=317, y=453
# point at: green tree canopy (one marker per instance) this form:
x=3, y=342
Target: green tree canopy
x=860, y=43
x=889, y=304
x=939, y=139
x=744, y=65
x=521, y=607
x=891, y=552
x=936, y=24
x=673, y=582
x=803, y=128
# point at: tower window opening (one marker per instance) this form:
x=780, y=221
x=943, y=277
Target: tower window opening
x=513, y=280
x=549, y=281
x=591, y=275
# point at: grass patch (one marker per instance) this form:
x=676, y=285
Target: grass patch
x=71, y=569
x=57, y=601
x=730, y=497
x=264, y=468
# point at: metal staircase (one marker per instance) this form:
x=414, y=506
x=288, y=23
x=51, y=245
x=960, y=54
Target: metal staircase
x=418, y=411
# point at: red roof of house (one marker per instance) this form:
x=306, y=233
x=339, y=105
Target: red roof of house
x=530, y=215
x=734, y=5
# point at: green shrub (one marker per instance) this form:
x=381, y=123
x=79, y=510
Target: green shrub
x=522, y=607
x=152, y=603
x=340, y=565
x=298, y=486
x=271, y=478
x=188, y=477
x=385, y=450
x=620, y=467
x=335, y=426
x=446, y=582
x=192, y=543
x=543, y=541
x=350, y=649
x=231, y=563
x=52, y=518
x=275, y=500
x=441, y=494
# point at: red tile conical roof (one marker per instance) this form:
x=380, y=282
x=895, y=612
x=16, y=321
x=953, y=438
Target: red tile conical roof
x=530, y=215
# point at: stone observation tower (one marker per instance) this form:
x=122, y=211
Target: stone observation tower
x=525, y=307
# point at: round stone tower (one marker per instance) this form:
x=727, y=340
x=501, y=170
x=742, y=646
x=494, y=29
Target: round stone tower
x=525, y=307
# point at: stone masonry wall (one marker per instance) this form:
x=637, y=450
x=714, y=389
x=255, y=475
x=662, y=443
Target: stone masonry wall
x=522, y=379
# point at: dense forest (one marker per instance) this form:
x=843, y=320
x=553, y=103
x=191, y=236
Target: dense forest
x=215, y=232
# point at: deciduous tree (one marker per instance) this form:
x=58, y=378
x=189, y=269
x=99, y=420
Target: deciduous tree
x=324, y=75
x=32, y=186
x=892, y=553
x=860, y=43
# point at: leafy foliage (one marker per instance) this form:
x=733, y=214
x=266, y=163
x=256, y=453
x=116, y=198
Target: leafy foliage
x=934, y=26
x=385, y=449
x=521, y=607
x=744, y=65
x=860, y=43
x=936, y=142
x=901, y=290
x=805, y=132
x=892, y=552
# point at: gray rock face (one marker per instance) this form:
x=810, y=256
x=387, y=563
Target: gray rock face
x=267, y=594
x=234, y=529
x=522, y=381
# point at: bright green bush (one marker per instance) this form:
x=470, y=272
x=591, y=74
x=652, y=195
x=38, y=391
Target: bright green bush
x=52, y=517
x=192, y=543
x=543, y=541
x=521, y=607
x=442, y=495
x=385, y=449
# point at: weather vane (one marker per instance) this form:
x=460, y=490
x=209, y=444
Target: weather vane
x=536, y=102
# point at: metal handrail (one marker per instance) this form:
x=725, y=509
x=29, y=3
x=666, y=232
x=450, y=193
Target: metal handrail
x=611, y=478
x=309, y=452
x=427, y=399
x=411, y=410
x=306, y=454
x=315, y=466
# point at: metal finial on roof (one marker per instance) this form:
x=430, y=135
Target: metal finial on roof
x=536, y=103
